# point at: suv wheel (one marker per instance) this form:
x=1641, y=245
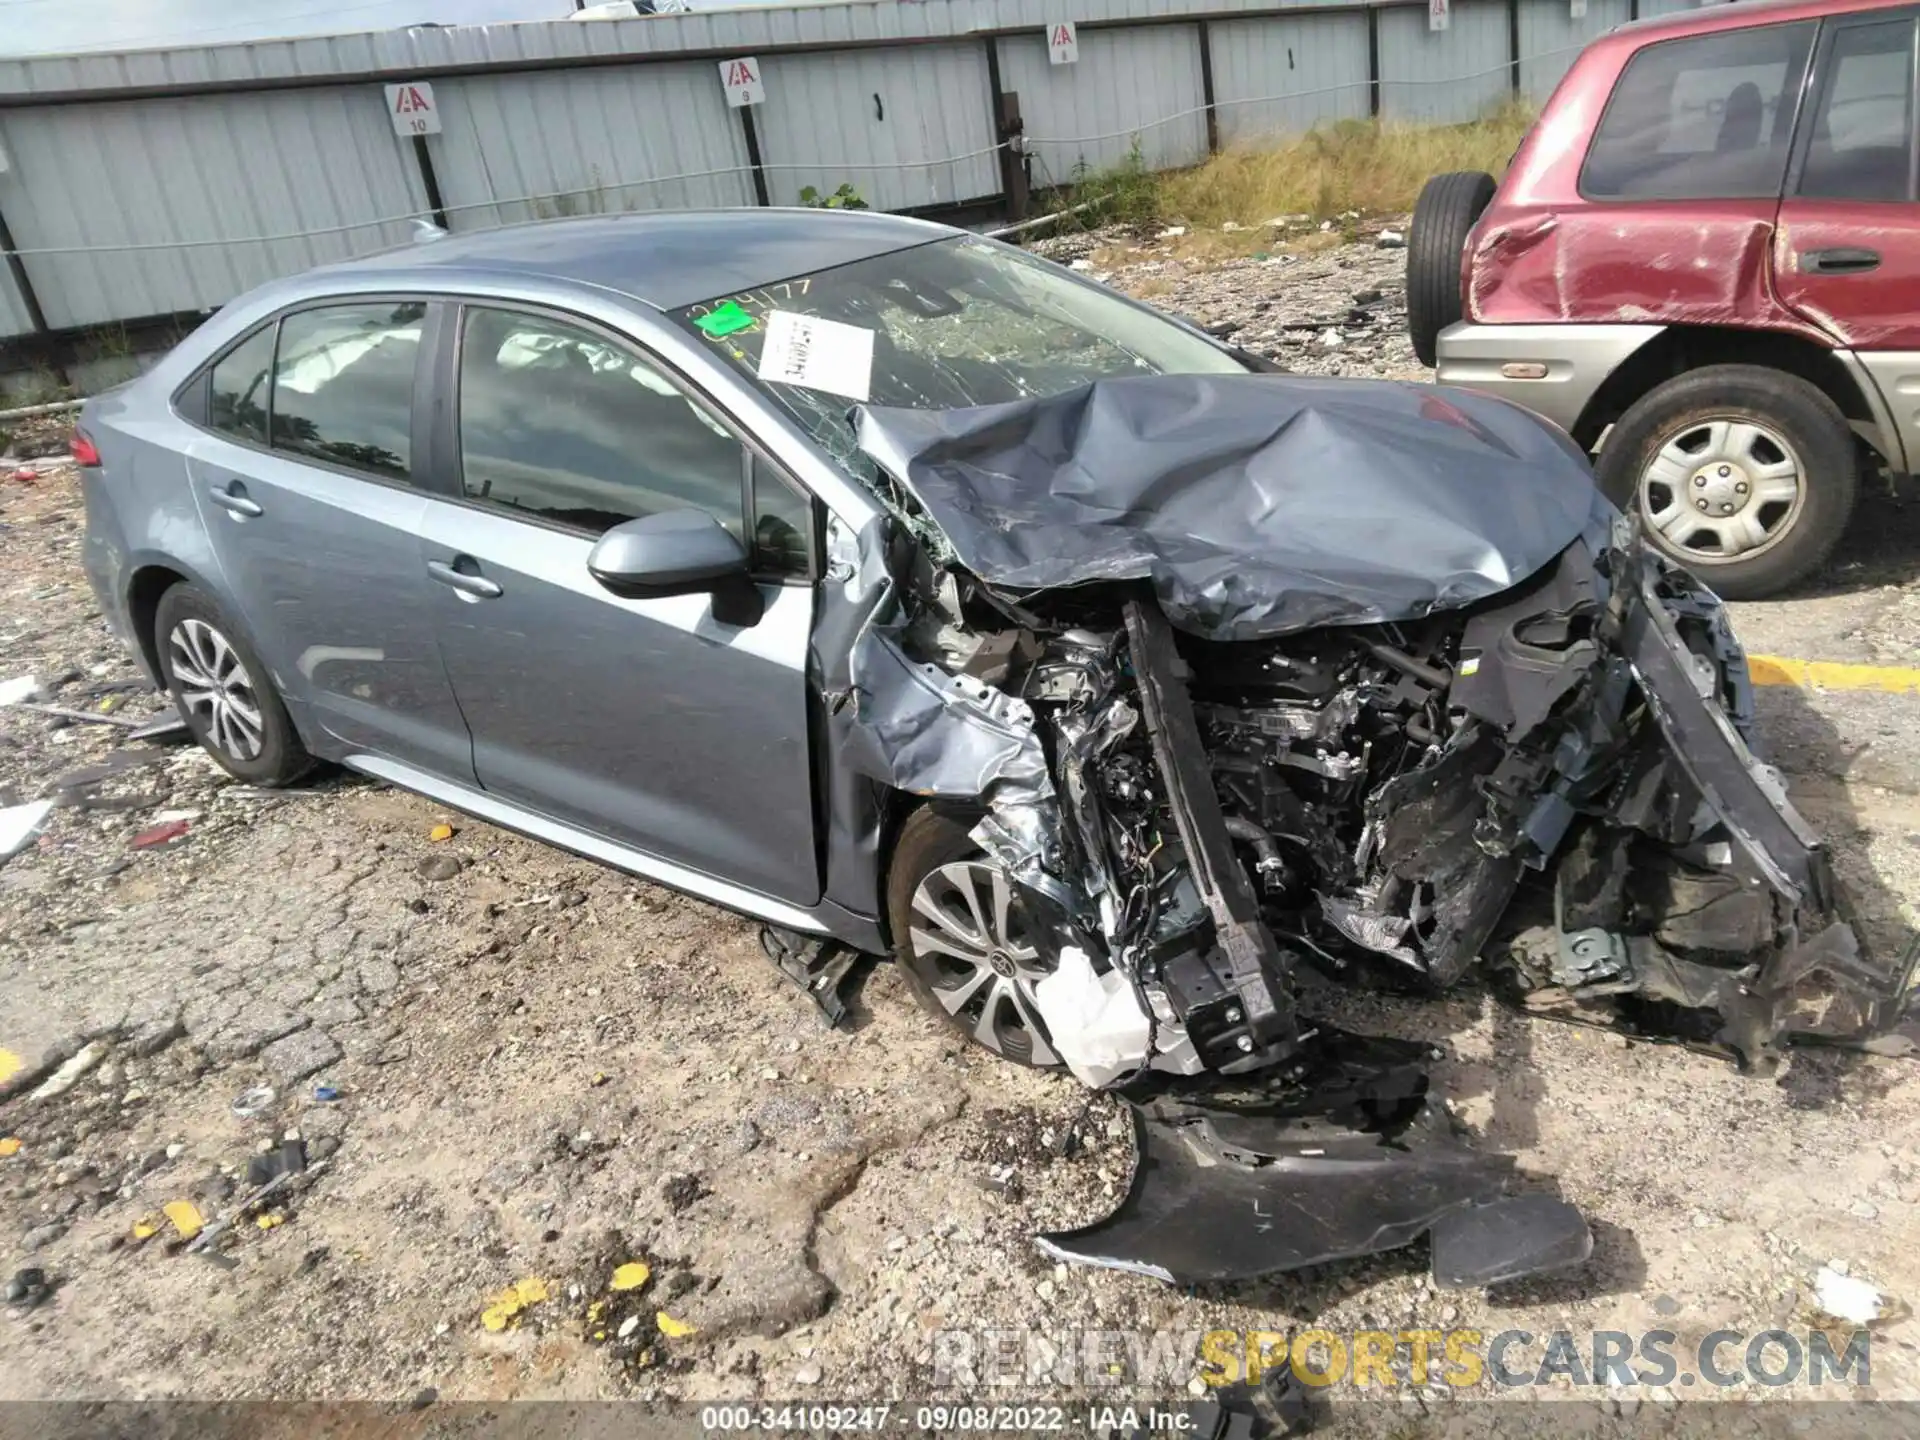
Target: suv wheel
x=221, y=690
x=1744, y=475
x=960, y=934
x=1448, y=207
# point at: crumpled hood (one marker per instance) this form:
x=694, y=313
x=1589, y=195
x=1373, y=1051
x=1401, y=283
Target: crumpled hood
x=1256, y=504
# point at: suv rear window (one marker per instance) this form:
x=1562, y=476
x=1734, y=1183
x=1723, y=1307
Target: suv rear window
x=1709, y=117
x=1861, y=147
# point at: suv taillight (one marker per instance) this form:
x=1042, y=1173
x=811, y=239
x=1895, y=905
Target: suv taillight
x=83, y=450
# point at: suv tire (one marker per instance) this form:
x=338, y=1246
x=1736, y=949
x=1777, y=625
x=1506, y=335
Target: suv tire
x=981, y=987
x=1448, y=206
x=1767, y=422
x=223, y=692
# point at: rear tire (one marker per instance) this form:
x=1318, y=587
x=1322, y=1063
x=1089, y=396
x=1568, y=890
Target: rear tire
x=1766, y=425
x=223, y=692
x=973, y=970
x=1448, y=207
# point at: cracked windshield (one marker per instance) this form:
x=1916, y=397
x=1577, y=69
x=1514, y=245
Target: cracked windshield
x=953, y=324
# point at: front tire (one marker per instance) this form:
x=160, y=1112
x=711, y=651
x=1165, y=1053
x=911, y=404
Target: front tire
x=223, y=692
x=1746, y=476
x=962, y=939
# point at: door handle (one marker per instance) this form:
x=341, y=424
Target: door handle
x=1839, y=262
x=234, y=501
x=476, y=587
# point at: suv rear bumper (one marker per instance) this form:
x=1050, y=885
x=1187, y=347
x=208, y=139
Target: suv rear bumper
x=1577, y=359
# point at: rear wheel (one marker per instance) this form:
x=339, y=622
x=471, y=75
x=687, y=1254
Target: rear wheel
x=222, y=691
x=963, y=940
x=1448, y=207
x=1747, y=476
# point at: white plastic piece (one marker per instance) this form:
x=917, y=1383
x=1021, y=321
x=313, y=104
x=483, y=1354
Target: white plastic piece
x=23, y=687
x=1846, y=1298
x=1096, y=1022
x=18, y=824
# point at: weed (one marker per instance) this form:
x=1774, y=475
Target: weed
x=845, y=198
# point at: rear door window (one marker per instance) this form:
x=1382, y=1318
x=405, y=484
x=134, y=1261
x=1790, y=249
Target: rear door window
x=343, y=385
x=1705, y=118
x=1861, y=143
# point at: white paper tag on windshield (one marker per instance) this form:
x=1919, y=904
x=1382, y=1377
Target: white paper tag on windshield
x=819, y=354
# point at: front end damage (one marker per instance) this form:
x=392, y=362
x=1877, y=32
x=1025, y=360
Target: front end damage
x=1207, y=778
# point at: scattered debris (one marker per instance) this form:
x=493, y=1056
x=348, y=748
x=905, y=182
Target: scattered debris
x=671, y=1328
x=439, y=832
x=185, y=1217
x=28, y=1287
x=1391, y=240
x=326, y=1094
x=19, y=823
x=68, y=1075
x=1853, y=1300
x=504, y=1310
x=630, y=1276
x=160, y=835
x=9, y=1146
x=253, y=1101
x=818, y=965
x=23, y=687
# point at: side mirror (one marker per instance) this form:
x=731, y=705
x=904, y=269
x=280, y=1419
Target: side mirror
x=678, y=552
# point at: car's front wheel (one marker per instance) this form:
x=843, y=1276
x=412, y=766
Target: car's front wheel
x=963, y=939
x=1745, y=475
x=222, y=691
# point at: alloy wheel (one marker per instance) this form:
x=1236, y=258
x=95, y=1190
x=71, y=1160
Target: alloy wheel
x=1723, y=489
x=978, y=959
x=215, y=689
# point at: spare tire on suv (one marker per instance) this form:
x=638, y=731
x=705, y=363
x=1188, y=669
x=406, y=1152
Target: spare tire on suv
x=1449, y=205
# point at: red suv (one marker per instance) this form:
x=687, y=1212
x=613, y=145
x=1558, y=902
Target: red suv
x=1704, y=262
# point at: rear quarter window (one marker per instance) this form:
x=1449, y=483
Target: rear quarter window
x=1709, y=117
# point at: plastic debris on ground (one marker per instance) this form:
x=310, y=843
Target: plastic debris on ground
x=630, y=1276
x=19, y=823
x=160, y=835
x=326, y=1094
x=505, y=1309
x=185, y=1216
x=671, y=1328
x=251, y=1102
x=1847, y=1298
x=9, y=1146
x=68, y=1075
x=22, y=687
x=440, y=832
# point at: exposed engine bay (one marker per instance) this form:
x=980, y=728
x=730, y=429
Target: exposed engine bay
x=1527, y=757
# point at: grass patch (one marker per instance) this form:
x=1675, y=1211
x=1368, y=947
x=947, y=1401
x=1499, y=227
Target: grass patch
x=1373, y=167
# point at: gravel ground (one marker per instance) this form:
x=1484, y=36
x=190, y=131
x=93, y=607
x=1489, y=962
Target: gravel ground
x=543, y=1070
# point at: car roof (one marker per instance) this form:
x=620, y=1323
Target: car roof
x=1745, y=14
x=664, y=258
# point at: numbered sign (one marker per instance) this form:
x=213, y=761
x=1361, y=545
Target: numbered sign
x=410, y=107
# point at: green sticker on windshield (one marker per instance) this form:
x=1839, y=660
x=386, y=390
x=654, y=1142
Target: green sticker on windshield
x=724, y=320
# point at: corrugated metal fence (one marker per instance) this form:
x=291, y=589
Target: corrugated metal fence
x=157, y=183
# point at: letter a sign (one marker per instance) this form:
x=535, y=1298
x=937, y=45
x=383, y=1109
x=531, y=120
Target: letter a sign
x=1063, y=45
x=411, y=109
x=1439, y=14
x=741, y=78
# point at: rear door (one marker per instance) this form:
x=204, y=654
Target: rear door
x=1847, y=248
x=304, y=478
x=651, y=723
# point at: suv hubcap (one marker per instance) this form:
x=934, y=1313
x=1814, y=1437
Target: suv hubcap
x=1722, y=490
x=975, y=956
x=215, y=689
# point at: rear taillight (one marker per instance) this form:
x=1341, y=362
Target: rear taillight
x=84, y=451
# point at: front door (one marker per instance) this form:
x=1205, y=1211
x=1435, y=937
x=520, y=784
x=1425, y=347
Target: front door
x=303, y=479
x=647, y=722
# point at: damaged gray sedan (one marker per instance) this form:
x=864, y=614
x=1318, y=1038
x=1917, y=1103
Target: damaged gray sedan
x=910, y=594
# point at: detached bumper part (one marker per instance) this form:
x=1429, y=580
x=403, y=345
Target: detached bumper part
x=1341, y=1155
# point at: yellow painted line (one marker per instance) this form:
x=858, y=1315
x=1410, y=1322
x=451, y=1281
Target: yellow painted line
x=1832, y=675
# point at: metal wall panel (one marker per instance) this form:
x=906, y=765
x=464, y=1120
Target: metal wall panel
x=1320, y=59
x=153, y=173
x=13, y=310
x=1444, y=76
x=1128, y=84
x=890, y=122
x=1550, y=38
x=1650, y=8
x=588, y=142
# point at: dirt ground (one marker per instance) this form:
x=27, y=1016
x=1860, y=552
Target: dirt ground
x=543, y=1069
